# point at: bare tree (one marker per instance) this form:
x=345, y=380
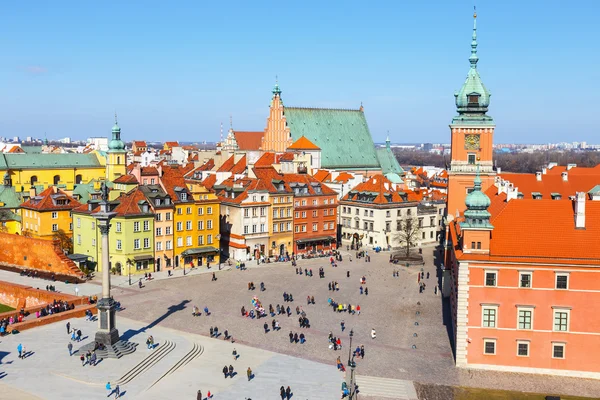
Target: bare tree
x=64, y=241
x=408, y=233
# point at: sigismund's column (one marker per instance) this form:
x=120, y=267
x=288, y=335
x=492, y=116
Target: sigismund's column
x=107, y=332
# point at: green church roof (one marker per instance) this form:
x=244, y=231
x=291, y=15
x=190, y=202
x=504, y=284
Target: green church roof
x=388, y=161
x=31, y=161
x=342, y=135
x=9, y=197
x=84, y=191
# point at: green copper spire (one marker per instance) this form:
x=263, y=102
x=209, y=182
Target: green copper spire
x=116, y=144
x=276, y=90
x=473, y=99
x=477, y=202
x=473, y=59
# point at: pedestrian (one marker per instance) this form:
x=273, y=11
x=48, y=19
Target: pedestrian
x=225, y=371
x=366, y=291
x=282, y=393
x=262, y=286
x=214, y=277
x=212, y=331
x=312, y=299
x=199, y=395
x=70, y=347
x=117, y=392
x=291, y=337
x=235, y=354
x=307, y=300
x=361, y=290
x=428, y=275
x=226, y=335
x=20, y=350
x=216, y=332
x=358, y=309
x=347, y=274
x=302, y=338
x=68, y=327
x=329, y=285
x=79, y=335
x=93, y=359
x=273, y=324
x=108, y=389
x=249, y=373
x=297, y=310
x=289, y=311
x=82, y=358
x=140, y=283
x=278, y=309
x=295, y=337
x=362, y=351
x=288, y=393
x=231, y=370
x=435, y=290
x=266, y=326
x=343, y=325
x=373, y=334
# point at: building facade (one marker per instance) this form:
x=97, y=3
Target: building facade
x=48, y=214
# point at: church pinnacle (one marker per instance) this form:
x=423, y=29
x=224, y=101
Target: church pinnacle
x=477, y=202
x=473, y=59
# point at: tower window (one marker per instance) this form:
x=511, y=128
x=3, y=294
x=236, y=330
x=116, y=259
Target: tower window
x=471, y=159
x=473, y=99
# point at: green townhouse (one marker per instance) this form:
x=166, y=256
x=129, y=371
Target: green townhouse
x=131, y=235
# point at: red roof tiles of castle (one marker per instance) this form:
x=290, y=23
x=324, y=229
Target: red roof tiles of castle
x=537, y=231
x=554, y=183
x=322, y=175
x=304, y=144
x=266, y=160
x=227, y=165
x=240, y=166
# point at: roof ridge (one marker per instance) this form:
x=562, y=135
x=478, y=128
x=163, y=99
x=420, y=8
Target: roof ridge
x=326, y=109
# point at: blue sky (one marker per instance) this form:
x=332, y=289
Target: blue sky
x=176, y=70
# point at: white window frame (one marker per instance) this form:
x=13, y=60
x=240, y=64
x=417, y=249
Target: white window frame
x=556, y=275
x=159, y=231
x=78, y=222
x=118, y=227
x=561, y=310
x=146, y=225
x=485, y=307
x=54, y=227
x=136, y=244
x=119, y=244
x=209, y=210
x=489, y=340
x=146, y=243
x=561, y=344
x=530, y=273
x=209, y=239
x=209, y=224
x=136, y=226
x=525, y=308
x=54, y=214
x=188, y=240
x=528, y=343
x=490, y=271
x=179, y=241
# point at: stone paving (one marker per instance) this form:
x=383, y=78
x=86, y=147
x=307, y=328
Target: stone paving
x=390, y=307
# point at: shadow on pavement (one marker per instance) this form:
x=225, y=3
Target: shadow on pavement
x=171, y=310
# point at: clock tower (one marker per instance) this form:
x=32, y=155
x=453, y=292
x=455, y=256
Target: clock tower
x=472, y=133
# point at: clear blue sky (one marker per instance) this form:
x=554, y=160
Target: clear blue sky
x=175, y=70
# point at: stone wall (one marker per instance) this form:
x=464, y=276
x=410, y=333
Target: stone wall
x=45, y=256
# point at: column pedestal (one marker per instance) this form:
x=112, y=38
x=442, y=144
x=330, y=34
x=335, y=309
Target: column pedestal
x=107, y=332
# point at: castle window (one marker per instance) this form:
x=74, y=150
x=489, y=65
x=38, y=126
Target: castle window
x=471, y=159
x=473, y=99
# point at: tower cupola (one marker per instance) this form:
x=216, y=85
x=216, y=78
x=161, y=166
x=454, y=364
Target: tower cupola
x=477, y=202
x=473, y=98
x=116, y=144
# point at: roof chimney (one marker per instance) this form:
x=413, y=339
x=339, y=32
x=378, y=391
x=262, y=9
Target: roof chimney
x=512, y=193
x=569, y=166
x=538, y=176
x=498, y=170
x=565, y=176
x=544, y=171
x=580, y=210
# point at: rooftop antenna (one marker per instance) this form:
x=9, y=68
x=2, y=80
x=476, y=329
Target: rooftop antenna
x=230, y=121
x=221, y=133
x=116, y=118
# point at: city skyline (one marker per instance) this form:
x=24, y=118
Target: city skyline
x=166, y=76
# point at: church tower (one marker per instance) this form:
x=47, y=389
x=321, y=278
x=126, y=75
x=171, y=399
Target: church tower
x=277, y=136
x=116, y=156
x=472, y=136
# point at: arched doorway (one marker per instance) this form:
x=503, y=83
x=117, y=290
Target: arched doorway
x=56, y=179
x=33, y=180
x=78, y=179
x=176, y=261
x=119, y=268
x=281, y=249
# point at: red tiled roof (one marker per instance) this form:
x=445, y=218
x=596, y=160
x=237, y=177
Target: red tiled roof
x=45, y=201
x=16, y=149
x=267, y=175
x=149, y=171
x=307, y=179
x=129, y=203
x=343, y=177
x=322, y=175
x=227, y=165
x=172, y=144
x=207, y=166
x=554, y=183
x=248, y=141
x=173, y=177
x=139, y=143
x=289, y=156
x=240, y=166
x=266, y=160
x=381, y=185
x=210, y=181
x=127, y=179
x=304, y=144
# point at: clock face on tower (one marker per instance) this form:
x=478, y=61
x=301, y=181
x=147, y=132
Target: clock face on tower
x=472, y=142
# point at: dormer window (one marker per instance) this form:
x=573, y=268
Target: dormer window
x=183, y=196
x=473, y=99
